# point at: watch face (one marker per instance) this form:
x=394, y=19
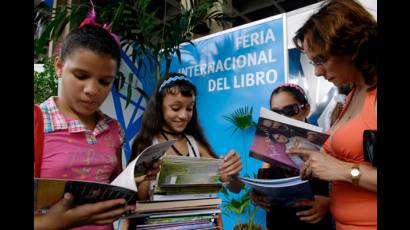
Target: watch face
x=355, y=172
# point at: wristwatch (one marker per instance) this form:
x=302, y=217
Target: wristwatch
x=355, y=174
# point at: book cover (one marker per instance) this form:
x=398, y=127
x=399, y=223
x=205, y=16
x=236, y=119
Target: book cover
x=188, y=225
x=188, y=175
x=174, y=213
x=276, y=133
x=179, y=170
x=156, y=206
x=186, y=196
x=47, y=191
x=283, y=192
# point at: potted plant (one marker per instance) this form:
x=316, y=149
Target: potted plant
x=240, y=206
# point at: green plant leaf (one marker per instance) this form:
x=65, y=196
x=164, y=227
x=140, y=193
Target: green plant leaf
x=241, y=118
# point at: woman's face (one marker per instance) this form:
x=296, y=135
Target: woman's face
x=177, y=111
x=284, y=99
x=340, y=70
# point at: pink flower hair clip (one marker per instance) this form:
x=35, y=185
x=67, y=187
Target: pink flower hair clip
x=91, y=19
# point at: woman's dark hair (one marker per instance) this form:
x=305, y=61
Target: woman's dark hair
x=343, y=27
x=296, y=91
x=93, y=38
x=153, y=119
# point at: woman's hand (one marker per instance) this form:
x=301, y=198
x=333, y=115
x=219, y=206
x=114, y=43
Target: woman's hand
x=260, y=200
x=318, y=210
x=62, y=215
x=232, y=165
x=321, y=165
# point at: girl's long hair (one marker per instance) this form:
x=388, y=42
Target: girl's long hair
x=153, y=119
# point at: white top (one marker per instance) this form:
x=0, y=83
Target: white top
x=190, y=150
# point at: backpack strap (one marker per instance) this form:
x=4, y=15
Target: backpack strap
x=38, y=139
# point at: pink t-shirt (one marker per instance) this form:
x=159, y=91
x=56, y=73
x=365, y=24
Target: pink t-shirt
x=73, y=152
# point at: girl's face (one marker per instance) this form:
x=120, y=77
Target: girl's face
x=284, y=99
x=87, y=78
x=280, y=138
x=177, y=111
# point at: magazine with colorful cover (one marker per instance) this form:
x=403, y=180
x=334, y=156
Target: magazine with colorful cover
x=282, y=192
x=276, y=133
x=47, y=191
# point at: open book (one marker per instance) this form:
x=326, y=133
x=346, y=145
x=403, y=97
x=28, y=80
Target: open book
x=276, y=133
x=188, y=175
x=283, y=191
x=47, y=191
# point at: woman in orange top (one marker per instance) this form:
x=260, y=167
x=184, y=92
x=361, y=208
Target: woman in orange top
x=340, y=40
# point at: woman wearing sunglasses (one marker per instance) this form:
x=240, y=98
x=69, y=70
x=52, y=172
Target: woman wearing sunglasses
x=290, y=100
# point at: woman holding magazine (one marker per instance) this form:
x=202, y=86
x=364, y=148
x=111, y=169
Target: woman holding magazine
x=171, y=114
x=290, y=100
x=345, y=54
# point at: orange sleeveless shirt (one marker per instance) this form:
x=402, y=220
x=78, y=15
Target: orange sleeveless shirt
x=353, y=208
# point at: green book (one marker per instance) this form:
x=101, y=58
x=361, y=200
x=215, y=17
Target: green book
x=189, y=175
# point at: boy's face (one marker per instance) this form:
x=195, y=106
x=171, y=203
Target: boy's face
x=87, y=78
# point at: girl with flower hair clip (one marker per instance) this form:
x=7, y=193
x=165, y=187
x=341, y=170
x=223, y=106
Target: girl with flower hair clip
x=80, y=142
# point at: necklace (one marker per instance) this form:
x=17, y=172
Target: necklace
x=175, y=149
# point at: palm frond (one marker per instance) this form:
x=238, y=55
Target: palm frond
x=241, y=118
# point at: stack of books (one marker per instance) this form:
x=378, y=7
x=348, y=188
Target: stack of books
x=184, y=197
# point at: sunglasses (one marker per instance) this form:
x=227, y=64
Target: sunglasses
x=289, y=110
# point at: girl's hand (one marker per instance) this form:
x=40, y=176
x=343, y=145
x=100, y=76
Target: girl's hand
x=62, y=215
x=150, y=173
x=321, y=165
x=260, y=200
x=318, y=210
x=232, y=165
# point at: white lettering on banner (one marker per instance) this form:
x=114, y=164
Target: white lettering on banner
x=241, y=61
x=211, y=85
x=226, y=64
x=203, y=69
x=211, y=67
x=253, y=39
x=243, y=80
x=218, y=84
x=230, y=63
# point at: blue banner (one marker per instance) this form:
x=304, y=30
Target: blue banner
x=236, y=68
x=233, y=69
